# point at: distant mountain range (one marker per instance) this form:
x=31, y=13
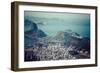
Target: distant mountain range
x=33, y=34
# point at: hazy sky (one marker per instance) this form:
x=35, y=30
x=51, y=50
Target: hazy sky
x=51, y=22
